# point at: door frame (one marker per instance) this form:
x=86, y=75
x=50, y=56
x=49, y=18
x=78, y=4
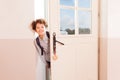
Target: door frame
x=102, y=40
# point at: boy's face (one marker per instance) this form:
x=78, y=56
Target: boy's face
x=40, y=29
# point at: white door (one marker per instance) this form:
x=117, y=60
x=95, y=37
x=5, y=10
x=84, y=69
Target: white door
x=75, y=23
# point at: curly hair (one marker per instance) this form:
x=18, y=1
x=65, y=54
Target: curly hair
x=41, y=21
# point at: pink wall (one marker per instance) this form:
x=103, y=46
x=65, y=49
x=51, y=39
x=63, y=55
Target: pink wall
x=17, y=59
x=114, y=59
x=17, y=56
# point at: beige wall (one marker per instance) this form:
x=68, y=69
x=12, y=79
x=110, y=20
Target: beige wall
x=17, y=56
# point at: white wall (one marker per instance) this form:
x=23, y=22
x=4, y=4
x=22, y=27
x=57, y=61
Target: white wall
x=114, y=18
x=15, y=17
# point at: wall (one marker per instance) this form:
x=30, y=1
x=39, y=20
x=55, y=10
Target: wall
x=110, y=40
x=17, y=56
x=16, y=48
x=113, y=40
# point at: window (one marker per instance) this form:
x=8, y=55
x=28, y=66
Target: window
x=75, y=17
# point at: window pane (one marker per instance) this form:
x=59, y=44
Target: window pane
x=67, y=2
x=84, y=3
x=84, y=20
x=67, y=24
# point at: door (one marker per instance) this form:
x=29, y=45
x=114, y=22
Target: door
x=75, y=23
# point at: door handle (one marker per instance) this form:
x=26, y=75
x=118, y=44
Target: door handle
x=54, y=46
